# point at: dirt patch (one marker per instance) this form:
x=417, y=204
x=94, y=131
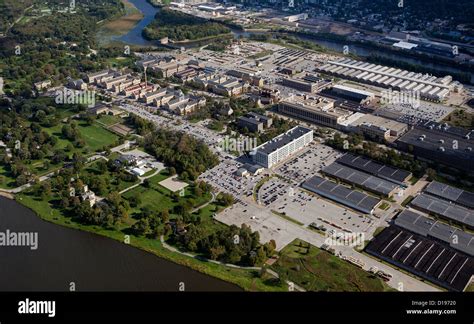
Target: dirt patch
x=123, y=24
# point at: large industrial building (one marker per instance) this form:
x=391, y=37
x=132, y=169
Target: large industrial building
x=353, y=93
x=428, y=227
x=451, y=194
x=429, y=87
x=317, y=110
x=282, y=146
x=378, y=128
x=440, y=143
x=444, y=209
x=428, y=258
x=380, y=170
x=361, y=179
x=341, y=194
x=301, y=85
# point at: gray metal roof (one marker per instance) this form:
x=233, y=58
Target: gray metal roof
x=375, y=168
x=450, y=193
x=429, y=227
x=354, y=199
x=359, y=178
x=444, y=208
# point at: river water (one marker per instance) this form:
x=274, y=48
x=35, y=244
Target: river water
x=92, y=262
x=135, y=37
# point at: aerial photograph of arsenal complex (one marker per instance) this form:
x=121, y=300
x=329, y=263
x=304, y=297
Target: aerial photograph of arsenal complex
x=274, y=145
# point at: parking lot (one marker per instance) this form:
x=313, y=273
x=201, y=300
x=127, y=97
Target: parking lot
x=307, y=208
x=304, y=165
x=269, y=225
x=415, y=115
x=222, y=178
x=284, y=198
x=272, y=190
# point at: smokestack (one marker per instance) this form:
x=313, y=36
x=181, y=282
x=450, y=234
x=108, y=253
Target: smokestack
x=145, y=78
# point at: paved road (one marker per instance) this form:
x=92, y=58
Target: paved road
x=399, y=280
x=283, y=232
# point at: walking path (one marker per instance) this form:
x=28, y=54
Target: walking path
x=200, y=258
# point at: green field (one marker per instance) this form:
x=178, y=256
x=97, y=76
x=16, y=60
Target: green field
x=94, y=135
x=407, y=200
x=207, y=218
x=317, y=270
x=109, y=120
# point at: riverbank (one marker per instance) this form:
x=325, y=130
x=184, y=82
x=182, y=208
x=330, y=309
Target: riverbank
x=92, y=262
x=121, y=25
x=248, y=280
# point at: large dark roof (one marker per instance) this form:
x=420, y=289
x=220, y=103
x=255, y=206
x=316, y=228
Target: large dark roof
x=444, y=209
x=370, y=166
x=445, y=128
x=360, y=178
x=423, y=256
x=450, y=193
x=429, y=227
x=341, y=194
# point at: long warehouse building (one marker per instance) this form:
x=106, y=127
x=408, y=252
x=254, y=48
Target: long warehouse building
x=361, y=179
x=444, y=209
x=429, y=87
x=341, y=194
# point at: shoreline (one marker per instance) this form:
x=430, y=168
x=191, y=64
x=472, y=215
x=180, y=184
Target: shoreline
x=120, y=26
x=245, y=279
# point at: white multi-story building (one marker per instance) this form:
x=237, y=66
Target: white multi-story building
x=282, y=146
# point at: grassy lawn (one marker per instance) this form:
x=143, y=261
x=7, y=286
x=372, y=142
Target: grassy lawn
x=6, y=180
x=206, y=213
x=318, y=270
x=94, y=135
x=261, y=54
x=155, y=180
x=247, y=279
x=154, y=199
x=157, y=198
x=470, y=288
x=413, y=180
x=460, y=118
x=378, y=230
x=109, y=120
x=384, y=205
